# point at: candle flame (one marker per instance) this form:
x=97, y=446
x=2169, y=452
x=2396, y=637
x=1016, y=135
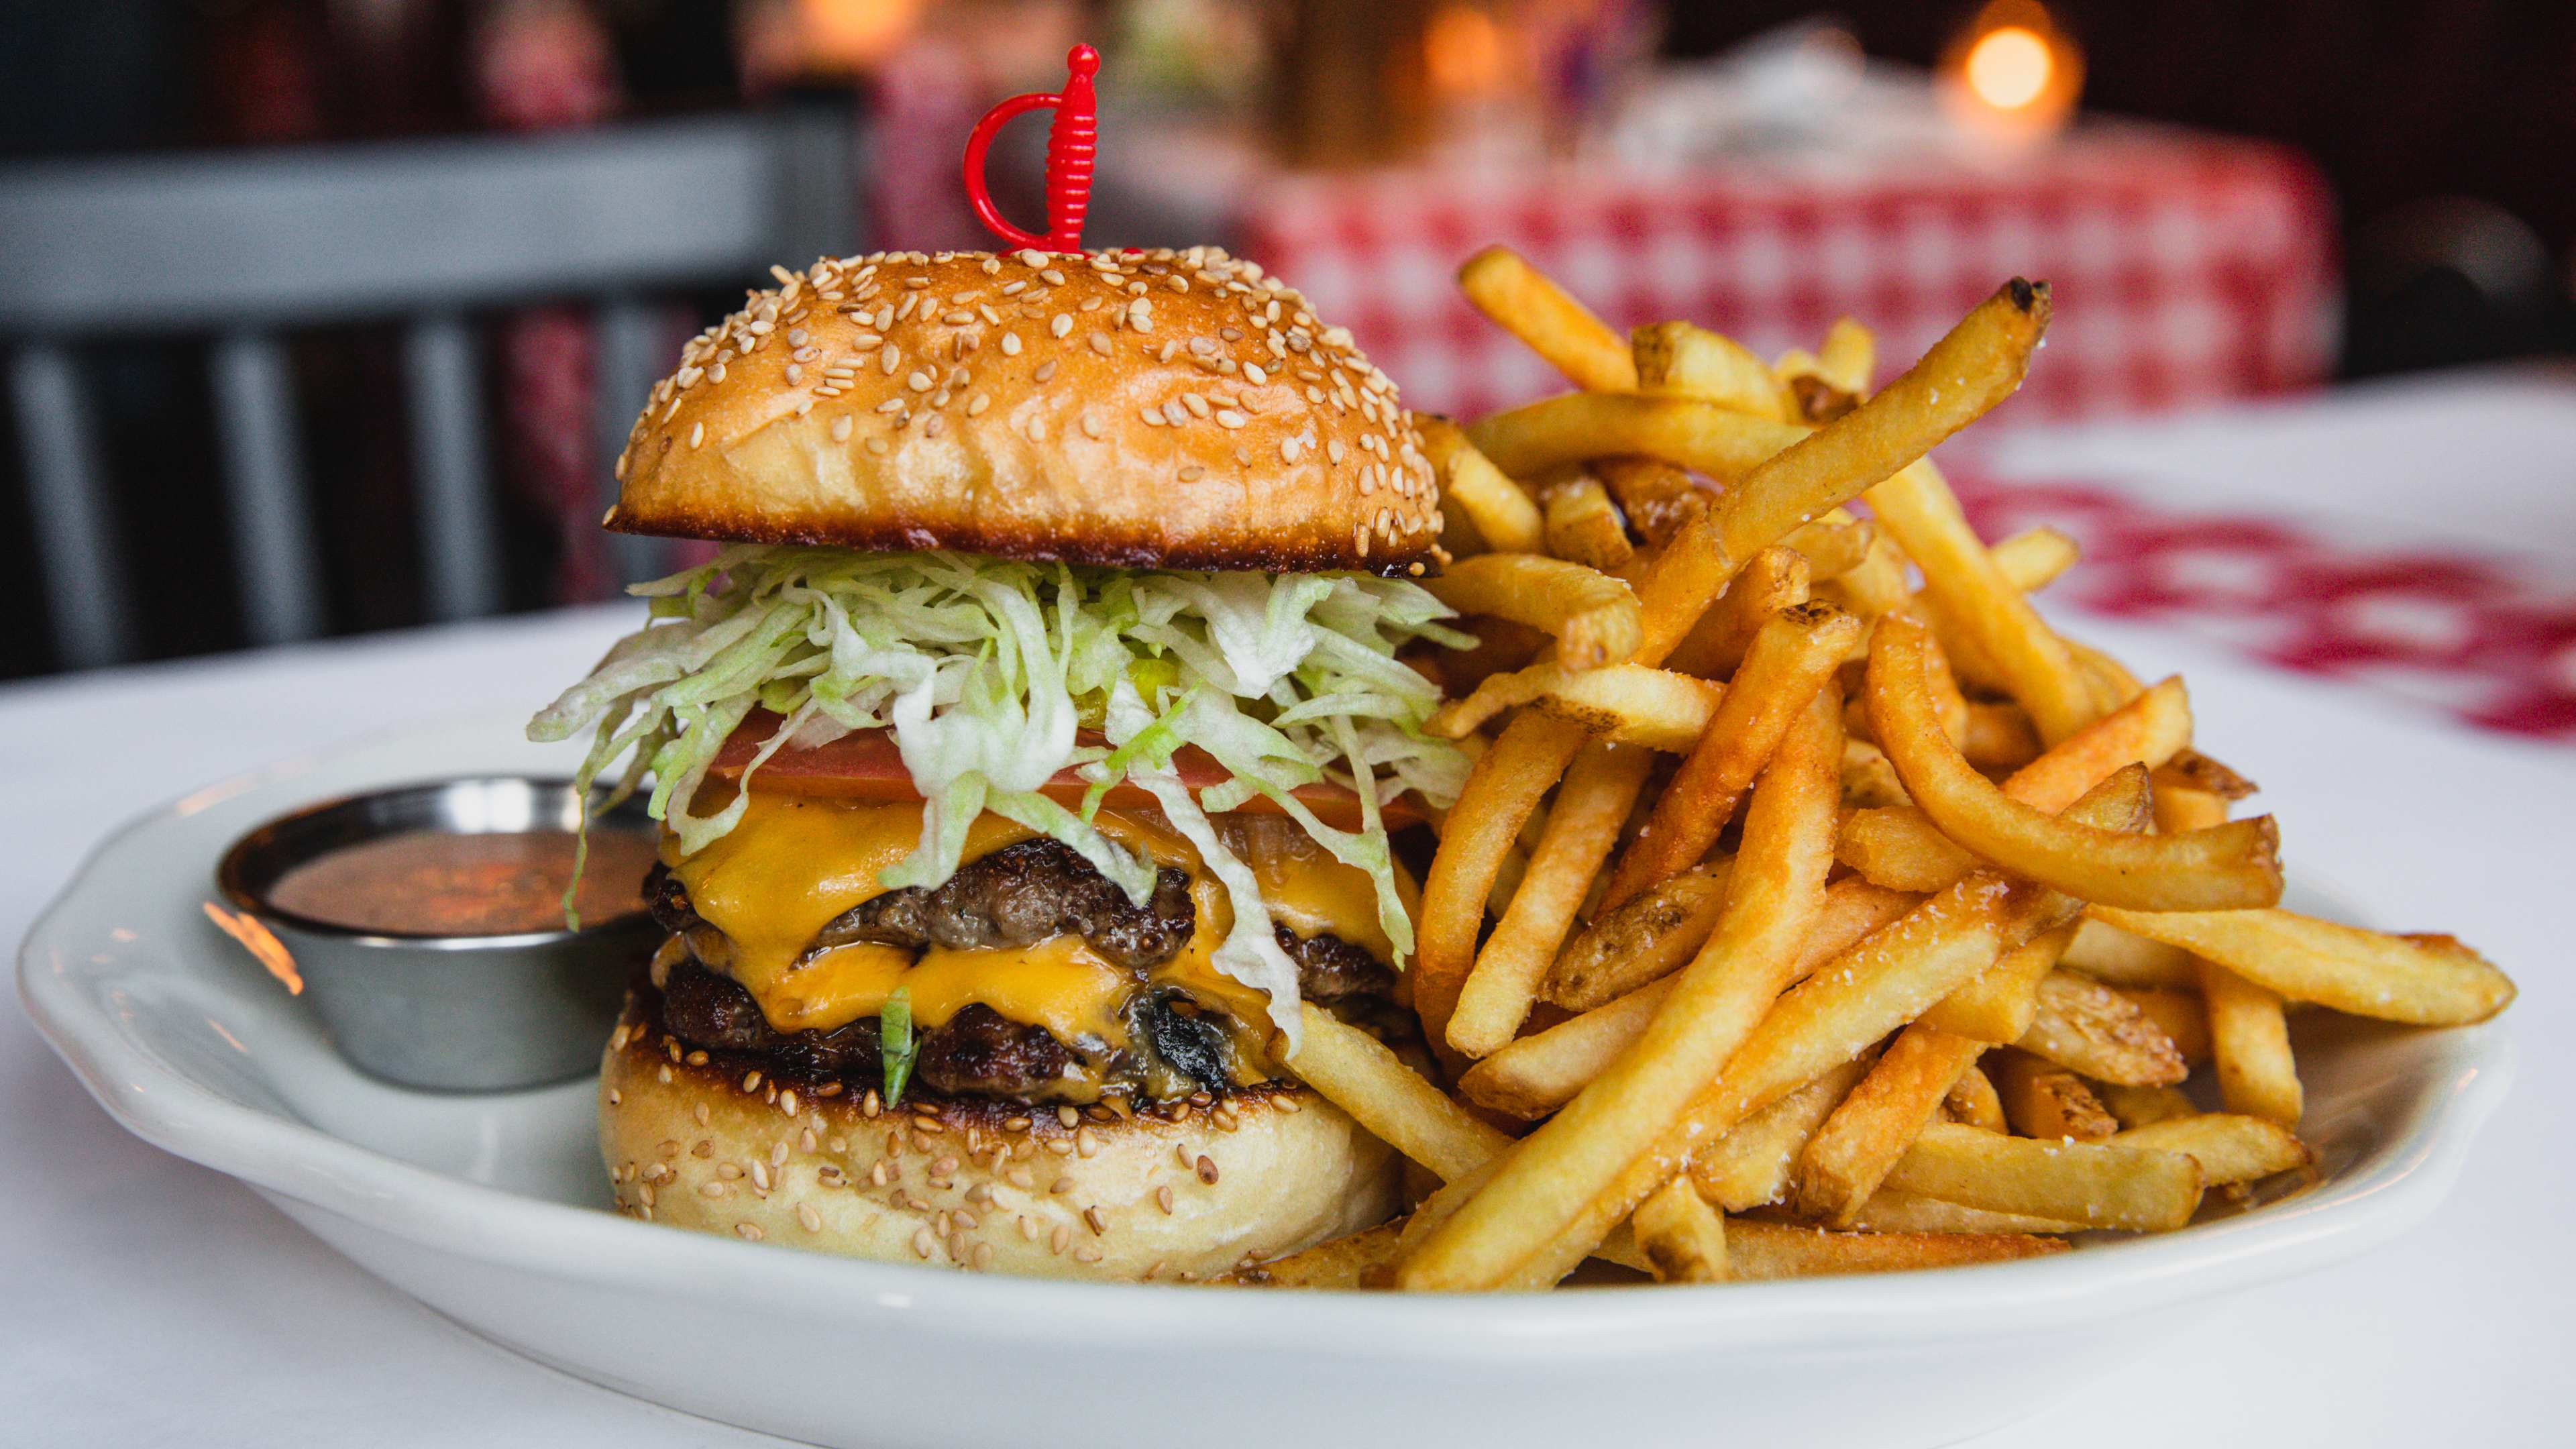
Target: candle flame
x=2009, y=68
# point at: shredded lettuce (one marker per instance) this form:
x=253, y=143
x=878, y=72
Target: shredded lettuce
x=988, y=671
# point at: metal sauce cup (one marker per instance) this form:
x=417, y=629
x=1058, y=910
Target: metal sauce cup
x=454, y=1013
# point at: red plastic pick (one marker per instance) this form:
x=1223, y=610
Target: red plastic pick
x=1073, y=144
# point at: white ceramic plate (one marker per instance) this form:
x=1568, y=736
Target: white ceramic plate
x=492, y=1210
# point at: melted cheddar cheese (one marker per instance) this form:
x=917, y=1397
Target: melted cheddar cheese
x=795, y=863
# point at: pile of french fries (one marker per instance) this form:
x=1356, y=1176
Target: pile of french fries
x=1813, y=906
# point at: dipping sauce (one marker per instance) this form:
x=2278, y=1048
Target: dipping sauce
x=439, y=883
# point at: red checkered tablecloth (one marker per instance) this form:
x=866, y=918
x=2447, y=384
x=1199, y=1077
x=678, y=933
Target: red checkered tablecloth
x=2489, y=640
x=2186, y=268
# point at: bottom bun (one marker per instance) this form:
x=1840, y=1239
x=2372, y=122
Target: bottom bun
x=1176, y=1191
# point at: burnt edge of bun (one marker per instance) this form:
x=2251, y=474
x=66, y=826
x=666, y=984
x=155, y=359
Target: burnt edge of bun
x=1420, y=563
x=743, y=1074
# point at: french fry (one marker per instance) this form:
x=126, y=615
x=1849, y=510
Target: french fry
x=1998, y=1007
x=2032, y=559
x=1543, y=1071
x=1575, y=428
x=2089, y=1028
x=1790, y=660
x=1681, y=1235
x=1778, y=578
x=1900, y=848
x=1874, y=586
x=1848, y=357
x=1501, y=511
x=1974, y=1101
x=1869, y=781
x=1540, y=1072
x=1758, y=1250
x=2101, y=1185
x=1750, y=1165
x=1582, y=524
x=1773, y=896
x=1641, y=939
x=1887, y=980
x=1676, y=357
x=1891, y=1211
x=2116, y=958
x=1592, y=615
x=2180, y=1015
x=1975, y=366
x=1628, y=703
x=2249, y=1039
x=2044, y=1100
x=1999, y=737
x=1599, y=790
x=1522, y=300
x=2232, y=866
x=1342, y=1263
x=1365, y=1078
x=2425, y=980
x=1655, y=497
x=2230, y=1147
x=2139, y=1106
x=1846, y=1159
x=1980, y=604
x=1833, y=545
x=1501, y=791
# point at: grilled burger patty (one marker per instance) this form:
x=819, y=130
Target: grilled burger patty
x=1016, y=896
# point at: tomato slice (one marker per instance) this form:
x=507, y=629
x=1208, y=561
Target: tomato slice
x=866, y=765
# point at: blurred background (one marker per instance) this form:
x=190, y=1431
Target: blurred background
x=325, y=316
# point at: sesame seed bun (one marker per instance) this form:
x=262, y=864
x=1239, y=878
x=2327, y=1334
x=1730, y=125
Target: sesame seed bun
x=1181, y=1191
x=1134, y=409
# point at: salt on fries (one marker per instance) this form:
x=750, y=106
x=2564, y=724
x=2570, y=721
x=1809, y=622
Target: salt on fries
x=1823, y=908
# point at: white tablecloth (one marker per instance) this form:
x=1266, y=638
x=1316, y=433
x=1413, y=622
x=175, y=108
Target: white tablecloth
x=151, y=1302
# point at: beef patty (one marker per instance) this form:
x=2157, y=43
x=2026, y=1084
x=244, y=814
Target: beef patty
x=1016, y=896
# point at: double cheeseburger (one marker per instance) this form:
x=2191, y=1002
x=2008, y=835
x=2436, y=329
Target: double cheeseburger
x=1025, y=759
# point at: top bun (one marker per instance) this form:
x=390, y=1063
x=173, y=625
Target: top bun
x=1135, y=409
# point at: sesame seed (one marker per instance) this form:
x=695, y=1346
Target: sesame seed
x=1229, y=418
x=1053, y=277
x=664, y=1072
x=1193, y=473
x=869, y=1105
x=841, y=429
x=1091, y=426
x=889, y=358
x=1333, y=449
x=1031, y=257
x=1152, y=415
x=957, y=318
x=1175, y=414
x=697, y=434
x=751, y=1081
x=1252, y=371
x=918, y=381
x=1099, y=1224
x=1206, y=1169
x=1062, y=324
x=749, y=1232
x=1067, y=1116
x=812, y=1220
x=1057, y=1239
x=760, y=1176
x=1197, y=405
x=1045, y=370
x=1163, y=1198
x=712, y=1189
x=1287, y=450
x=923, y=1242
x=1036, y=429
x=1061, y=1185
x=1086, y=1254
x=877, y=447
x=1100, y=343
